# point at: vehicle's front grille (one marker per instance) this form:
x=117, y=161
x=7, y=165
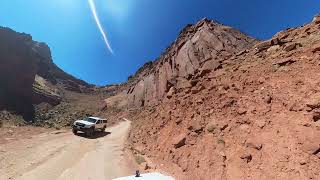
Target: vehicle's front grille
x=80, y=124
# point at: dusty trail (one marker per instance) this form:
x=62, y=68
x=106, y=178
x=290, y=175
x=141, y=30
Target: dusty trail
x=64, y=156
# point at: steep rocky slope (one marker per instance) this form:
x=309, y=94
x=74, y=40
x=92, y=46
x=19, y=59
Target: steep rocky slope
x=31, y=85
x=199, y=48
x=252, y=113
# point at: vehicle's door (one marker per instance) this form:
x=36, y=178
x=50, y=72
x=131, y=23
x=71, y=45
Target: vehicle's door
x=99, y=124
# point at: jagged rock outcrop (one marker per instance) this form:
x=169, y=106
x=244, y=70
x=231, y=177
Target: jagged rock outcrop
x=28, y=75
x=199, y=49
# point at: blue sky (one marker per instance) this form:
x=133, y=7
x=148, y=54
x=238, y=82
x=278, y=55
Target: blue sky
x=138, y=30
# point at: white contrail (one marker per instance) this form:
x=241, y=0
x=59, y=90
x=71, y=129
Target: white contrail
x=96, y=18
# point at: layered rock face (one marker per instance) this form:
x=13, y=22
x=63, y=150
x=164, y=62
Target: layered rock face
x=199, y=48
x=28, y=75
x=253, y=115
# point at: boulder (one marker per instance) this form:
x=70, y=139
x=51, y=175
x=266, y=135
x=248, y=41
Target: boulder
x=316, y=115
x=196, y=127
x=246, y=156
x=274, y=48
x=314, y=101
x=253, y=143
x=316, y=48
x=171, y=92
x=284, y=61
x=268, y=99
x=179, y=141
x=267, y=44
x=263, y=46
x=241, y=111
x=209, y=66
x=290, y=47
x=311, y=147
x=276, y=41
x=261, y=124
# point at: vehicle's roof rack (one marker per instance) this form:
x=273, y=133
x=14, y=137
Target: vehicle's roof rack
x=97, y=118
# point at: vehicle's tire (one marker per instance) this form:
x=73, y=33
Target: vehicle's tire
x=104, y=128
x=74, y=131
x=90, y=132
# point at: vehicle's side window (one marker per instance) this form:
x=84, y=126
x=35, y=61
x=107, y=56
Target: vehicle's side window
x=99, y=122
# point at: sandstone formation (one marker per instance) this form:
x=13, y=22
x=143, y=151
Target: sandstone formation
x=199, y=48
x=28, y=75
x=220, y=105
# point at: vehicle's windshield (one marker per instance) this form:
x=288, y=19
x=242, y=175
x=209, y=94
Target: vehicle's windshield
x=90, y=120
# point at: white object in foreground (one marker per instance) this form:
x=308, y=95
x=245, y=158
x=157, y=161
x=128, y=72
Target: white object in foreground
x=149, y=176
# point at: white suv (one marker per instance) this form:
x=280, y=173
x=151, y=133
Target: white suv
x=89, y=125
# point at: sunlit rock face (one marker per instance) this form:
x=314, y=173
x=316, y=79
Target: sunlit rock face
x=200, y=48
x=234, y=118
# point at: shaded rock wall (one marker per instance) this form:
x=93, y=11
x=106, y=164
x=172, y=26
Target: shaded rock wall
x=21, y=60
x=18, y=67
